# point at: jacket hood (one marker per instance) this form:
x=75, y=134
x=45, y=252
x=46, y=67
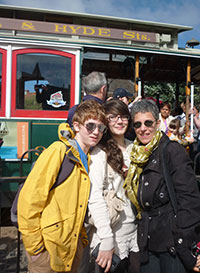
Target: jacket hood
x=66, y=134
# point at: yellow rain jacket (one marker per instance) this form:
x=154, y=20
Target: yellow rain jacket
x=53, y=220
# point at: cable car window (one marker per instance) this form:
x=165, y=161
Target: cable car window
x=43, y=82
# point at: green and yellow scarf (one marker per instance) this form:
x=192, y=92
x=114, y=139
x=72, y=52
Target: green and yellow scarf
x=139, y=156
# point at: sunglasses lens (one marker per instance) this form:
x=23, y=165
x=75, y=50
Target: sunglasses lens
x=148, y=123
x=90, y=126
x=102, y=128
x=137, y=124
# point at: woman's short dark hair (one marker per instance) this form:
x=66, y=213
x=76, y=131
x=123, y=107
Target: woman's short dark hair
x=145, y=106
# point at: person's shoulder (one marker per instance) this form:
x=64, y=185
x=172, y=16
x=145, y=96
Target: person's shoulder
x=171, y=118
x=97, y=152
x=129, y=143
x=71, y=114
x=174, y=148
x=129, y=146
x=72, y=109
x=58, y=146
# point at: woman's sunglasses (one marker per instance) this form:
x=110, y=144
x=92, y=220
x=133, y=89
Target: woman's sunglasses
x=147, y=123
x=91, y=126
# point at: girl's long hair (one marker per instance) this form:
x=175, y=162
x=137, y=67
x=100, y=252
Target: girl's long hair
x=107, y=143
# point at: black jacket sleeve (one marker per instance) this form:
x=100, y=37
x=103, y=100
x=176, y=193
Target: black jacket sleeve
x=188, y=201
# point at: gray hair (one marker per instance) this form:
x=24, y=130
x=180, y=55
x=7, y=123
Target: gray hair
x=145, y=106
x=93, y=82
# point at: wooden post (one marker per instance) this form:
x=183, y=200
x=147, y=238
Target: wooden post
x=187, y=91
x=137, y=64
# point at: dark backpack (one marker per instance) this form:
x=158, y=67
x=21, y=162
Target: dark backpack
x=66, y=168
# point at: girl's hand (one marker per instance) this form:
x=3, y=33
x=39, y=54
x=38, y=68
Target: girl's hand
x=197, y=266
x=138, y=98
x=104, y=259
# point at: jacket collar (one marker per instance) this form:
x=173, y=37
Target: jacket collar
x=154, y=162
x=91, y=97
x=66, y=135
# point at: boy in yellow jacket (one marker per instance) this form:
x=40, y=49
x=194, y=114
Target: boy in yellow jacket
x=51, y=221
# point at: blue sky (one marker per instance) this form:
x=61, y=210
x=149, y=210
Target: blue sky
x=181, y=12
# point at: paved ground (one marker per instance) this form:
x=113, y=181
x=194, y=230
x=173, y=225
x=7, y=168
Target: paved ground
x=8, y=251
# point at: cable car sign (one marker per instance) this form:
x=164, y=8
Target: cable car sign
x=79, y=30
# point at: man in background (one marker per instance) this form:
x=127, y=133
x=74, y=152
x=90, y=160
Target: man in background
x=95, y=87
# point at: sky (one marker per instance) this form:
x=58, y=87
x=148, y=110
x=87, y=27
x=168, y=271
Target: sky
x=180, y=12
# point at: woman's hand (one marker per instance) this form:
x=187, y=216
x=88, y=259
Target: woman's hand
x=197, y=266
x=104, y=259
x=138, y=98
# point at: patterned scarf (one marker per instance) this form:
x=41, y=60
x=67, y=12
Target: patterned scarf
x=139, y=156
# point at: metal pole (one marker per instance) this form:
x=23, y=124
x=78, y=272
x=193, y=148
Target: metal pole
x=192, y=106
x=139, y=92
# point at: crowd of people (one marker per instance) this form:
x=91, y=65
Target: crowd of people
x=121, y=153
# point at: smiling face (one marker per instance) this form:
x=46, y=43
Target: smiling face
x=145, y=133
x=117, y=124
x=165, y=112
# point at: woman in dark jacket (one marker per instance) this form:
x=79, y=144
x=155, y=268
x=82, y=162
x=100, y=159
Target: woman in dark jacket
x=165, y=239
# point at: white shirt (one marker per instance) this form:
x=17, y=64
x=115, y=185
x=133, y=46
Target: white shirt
x=164, y=126
x=123, y=236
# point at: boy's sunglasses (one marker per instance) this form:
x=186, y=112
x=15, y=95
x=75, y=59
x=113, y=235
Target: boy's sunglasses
x=147, y=123
x=91, y=126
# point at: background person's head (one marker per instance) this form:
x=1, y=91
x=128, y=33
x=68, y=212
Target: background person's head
x=95, y=84
x=183, y=106
x=122, y=94
x=165, y=109
x=145, y=116
x=174, y=126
